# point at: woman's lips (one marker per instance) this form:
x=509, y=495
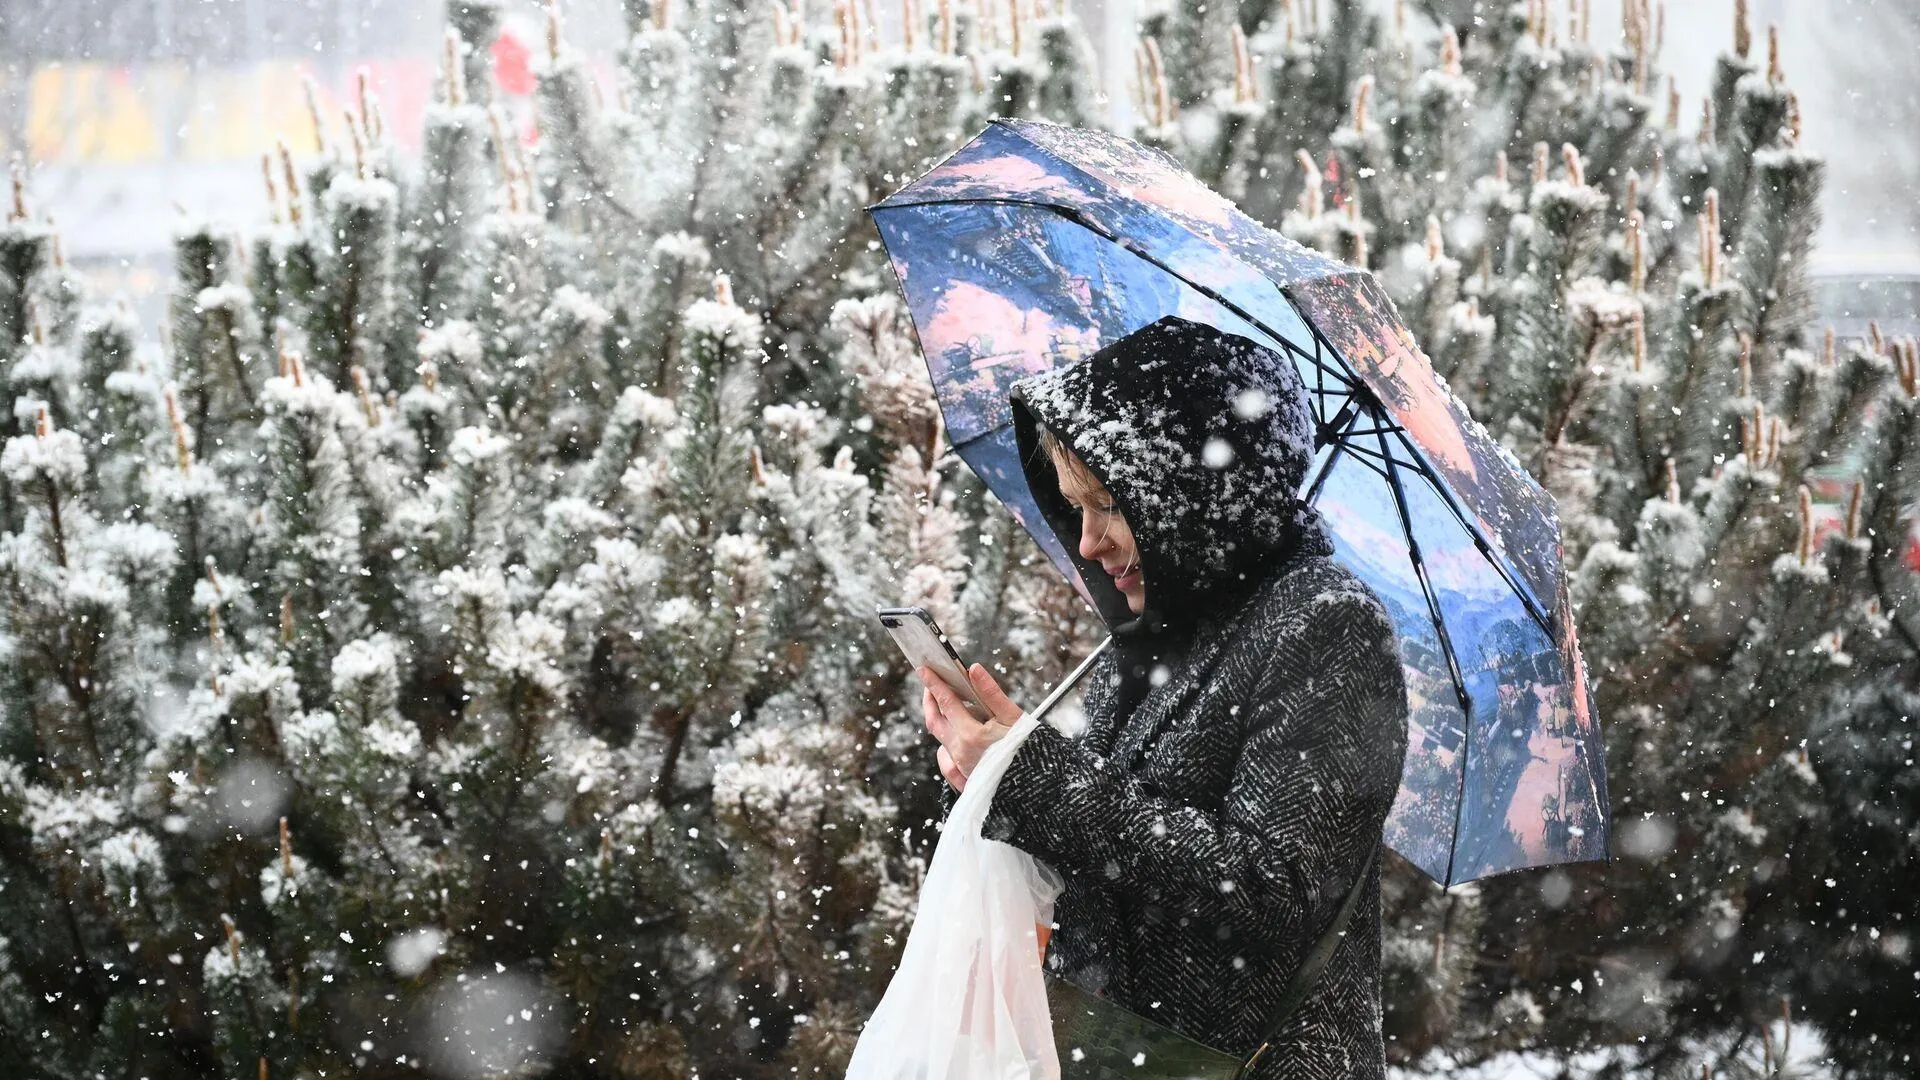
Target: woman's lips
x=1127, y=580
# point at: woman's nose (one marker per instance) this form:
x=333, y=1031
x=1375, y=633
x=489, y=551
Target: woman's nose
x=1092, y=537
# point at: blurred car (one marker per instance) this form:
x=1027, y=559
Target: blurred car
x=1852, y=290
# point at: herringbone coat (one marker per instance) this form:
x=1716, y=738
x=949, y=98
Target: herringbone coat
x=1208, y=834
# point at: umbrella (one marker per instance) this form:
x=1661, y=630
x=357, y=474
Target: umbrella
x=1036, y=244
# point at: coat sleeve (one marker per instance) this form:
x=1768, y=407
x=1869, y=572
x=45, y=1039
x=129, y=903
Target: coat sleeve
x=1096, y=690
x=948, y=797
x=1318, y=768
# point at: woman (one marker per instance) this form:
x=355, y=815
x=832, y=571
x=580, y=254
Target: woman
x=1244, y=735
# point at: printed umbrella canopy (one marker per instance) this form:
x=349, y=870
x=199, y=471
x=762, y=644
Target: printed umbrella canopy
x=1036, y=244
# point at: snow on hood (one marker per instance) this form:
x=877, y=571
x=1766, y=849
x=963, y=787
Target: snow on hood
x=1204, y=439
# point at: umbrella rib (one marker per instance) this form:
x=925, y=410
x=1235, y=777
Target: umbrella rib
x=1361, y=457
x=1493, y=558
x=1329, y=430
x=1446, y=650
x=1418, y=463
x=1367, y=455
x=1362, y=453
x=1321, y=368
x=1320, y=346
x=1326, y=467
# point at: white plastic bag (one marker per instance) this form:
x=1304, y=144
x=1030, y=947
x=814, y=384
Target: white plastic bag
x=968, y=1001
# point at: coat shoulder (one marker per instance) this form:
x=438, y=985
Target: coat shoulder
x=1324, y=627
x=1315, y=590
x=1321, y=616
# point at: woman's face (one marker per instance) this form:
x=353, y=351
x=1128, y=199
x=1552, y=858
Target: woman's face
x=1105, y=537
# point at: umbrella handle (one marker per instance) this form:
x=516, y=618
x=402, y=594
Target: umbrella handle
x=1073, y=677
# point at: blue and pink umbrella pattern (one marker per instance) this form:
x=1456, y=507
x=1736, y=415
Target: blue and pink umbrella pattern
x=1036, y=244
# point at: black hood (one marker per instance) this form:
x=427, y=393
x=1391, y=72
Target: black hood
x=1211, y=521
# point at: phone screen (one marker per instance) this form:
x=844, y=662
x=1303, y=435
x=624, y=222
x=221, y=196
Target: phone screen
x=922, y=640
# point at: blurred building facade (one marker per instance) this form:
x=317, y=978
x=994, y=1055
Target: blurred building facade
x=131, y=112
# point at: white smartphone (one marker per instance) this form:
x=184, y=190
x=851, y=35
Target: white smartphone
x=922, y=640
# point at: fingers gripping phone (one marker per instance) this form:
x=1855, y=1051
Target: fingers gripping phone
x=924, y=643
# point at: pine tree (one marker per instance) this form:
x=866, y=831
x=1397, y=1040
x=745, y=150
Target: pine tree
x=470, y=608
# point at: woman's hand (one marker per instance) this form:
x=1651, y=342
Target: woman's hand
x=964, y=740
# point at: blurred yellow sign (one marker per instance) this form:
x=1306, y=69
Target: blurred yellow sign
x=88, y=113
